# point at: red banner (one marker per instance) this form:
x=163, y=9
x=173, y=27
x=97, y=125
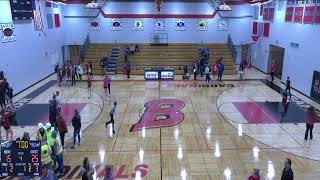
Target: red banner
x=271, y=14
x=308, y=14
x=265, y=13
x=255, y=28
x=57, y=20
x=298, y=12
x=317, y=18
x=289, y=14
x=266, y=27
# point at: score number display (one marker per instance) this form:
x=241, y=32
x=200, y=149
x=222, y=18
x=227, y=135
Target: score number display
x=21, y=158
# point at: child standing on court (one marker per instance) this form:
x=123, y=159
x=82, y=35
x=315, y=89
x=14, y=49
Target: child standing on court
x=106, y=85
x=112, y=112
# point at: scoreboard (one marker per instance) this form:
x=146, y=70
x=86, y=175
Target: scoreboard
x=21, y=158
x=21, y=9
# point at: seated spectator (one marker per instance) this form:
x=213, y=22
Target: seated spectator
x=255, y=175
x=137, y=48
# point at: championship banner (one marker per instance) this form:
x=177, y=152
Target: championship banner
x=202, y=25
x=180, y=25
x=94, y=25
x=37, y=18
x=158, y=25
x=289, y=14
x=298, y=13
x=317, y=18
x=271, y=13
x=315, y=88
x=116, y=25
x=308, y=17
x=137, y=25
x=7, y=33
x=265, y=13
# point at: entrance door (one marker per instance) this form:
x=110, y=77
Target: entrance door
x=276, y=54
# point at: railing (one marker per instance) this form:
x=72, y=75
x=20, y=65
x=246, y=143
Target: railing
x=159, y=38
x=84, y=47
x=232, y=48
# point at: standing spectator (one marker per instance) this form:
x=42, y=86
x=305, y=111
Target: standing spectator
x=89, y=86
x=128, y=70
x=284, y=99
x=26, y=136
x=195, y=69
x=241, y=69
x=109, y=175
x=58, y=148
x=207, y=72
x=288, y=86
x=53, y=110
x=90, y=68
x=76, y=123
x=80, y=72
x=112, y=113
x=214, y=71
x=6, y=124
x=10, y=94
x=107, y=85
x=46, y=152
x=58, y=100
x=287, y=173
x=73, y=75
x=185, y=69
x=311, y=119
x=255, y=175
x=273, y=70
x=68, y=69
x=47, y=174
x=62, y=126
x=57, y=71
x=220, y=71
x=41, y=134
x=87, y=169
x=2, y=94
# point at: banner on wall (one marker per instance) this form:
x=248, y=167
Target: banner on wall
x=289, y=14
x=317, y=17
x=308, y=17
x=271, y=12
x=265, y=13
x=202, y=25
x=158, y=25
x=7, y=33
x=116, y=25
x=138, y=25
x=298, y=13
x=180, y=25
x=95, y=25
x=222, y=25
x=315, y=88
x=37, y=18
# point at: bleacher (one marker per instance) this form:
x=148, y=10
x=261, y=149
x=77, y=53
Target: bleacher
x=173, y=55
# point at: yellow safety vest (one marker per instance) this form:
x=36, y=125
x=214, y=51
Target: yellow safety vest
x=49, y=136
x=45, y=157
x=59, y=149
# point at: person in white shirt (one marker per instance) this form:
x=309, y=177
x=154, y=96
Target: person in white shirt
x=58, y=99
x=80, y=72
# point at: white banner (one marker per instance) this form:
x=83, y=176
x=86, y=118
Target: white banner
x=202, y=25
x=138, y=25
x=159, y=25
x=222, y=25
x=94, y=25
x=116, y=25
x=7, y=33
x=180, y=25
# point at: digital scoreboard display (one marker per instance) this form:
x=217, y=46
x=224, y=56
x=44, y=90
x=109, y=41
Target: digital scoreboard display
x=21, y=158
x=21, y=9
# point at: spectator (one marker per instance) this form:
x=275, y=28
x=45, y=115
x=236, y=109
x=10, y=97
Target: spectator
x=58, y=155
x=128, y=70
x=107, y=85
x=41, y=134
x=311, y=119
x=47, y=174
x=288, y=86
x=207, y=73
x=73, y=75
x=89, y=86
x=185, y=69
x=136, y=48
x=58, y=100
x=273, y=70
x=90, y=68
x=87, y=169
x=6, y=124
x=255, y=175
x=68, y=70
x=46, y=152
x=241, y=69
x=195, y=70
x=76, y=123
x=109, y=175
x=2, y=94
x=26, y=136
x=53, y=110
x=214, y=71
x=62, y=127
x=112, y=113
x=80, y=72
x=220, y=71
x=287, y=173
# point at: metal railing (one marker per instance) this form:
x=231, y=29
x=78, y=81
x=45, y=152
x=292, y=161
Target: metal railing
x=232, y=48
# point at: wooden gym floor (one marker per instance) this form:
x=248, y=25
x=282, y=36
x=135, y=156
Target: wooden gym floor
x=220, y=136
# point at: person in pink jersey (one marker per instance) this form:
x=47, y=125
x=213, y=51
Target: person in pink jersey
x=106, y=85
x=273, y=70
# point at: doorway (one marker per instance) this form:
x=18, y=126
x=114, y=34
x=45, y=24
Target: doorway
x=276, y=54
